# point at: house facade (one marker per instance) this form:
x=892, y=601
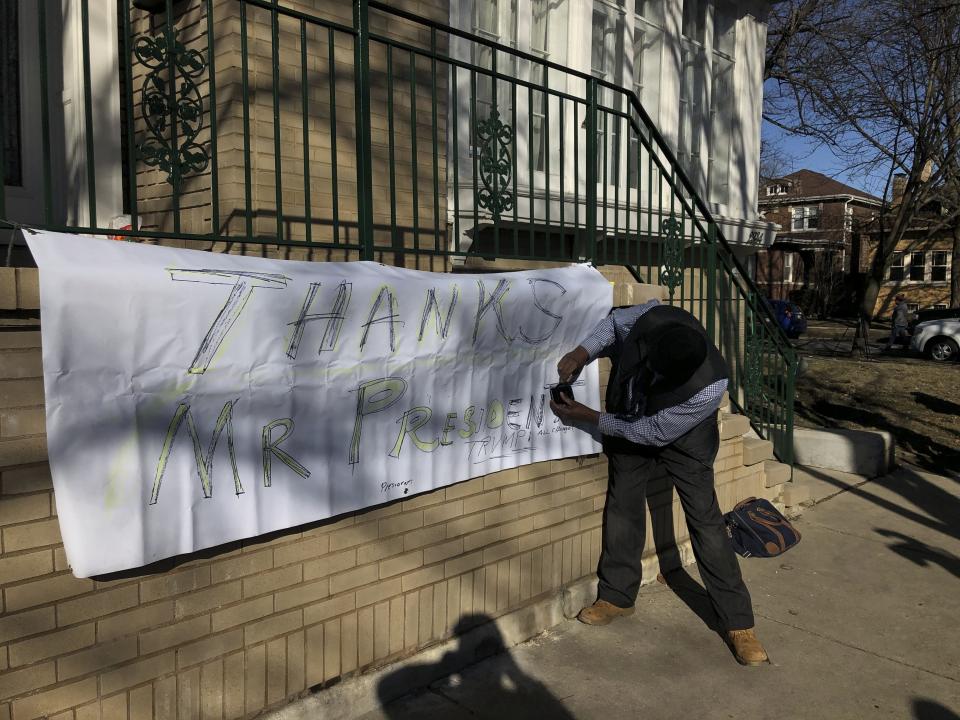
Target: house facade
x=815, y=250
x=921, y=264
x=690, y=63
x=920, y=270
x=315, y=130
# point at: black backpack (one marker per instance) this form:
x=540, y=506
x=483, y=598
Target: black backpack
x=757, y=529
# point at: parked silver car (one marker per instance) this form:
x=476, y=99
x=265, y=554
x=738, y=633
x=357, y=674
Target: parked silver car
x=937, y=339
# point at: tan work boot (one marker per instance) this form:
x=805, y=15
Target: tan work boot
x=746, y=648
x=602, y=613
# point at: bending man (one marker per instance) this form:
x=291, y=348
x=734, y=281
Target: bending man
x=665, y=388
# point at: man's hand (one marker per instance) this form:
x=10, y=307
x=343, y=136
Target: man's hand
x=572, y=363
x=571, y=411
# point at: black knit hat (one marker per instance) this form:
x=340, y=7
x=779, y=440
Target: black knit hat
x=676, y=352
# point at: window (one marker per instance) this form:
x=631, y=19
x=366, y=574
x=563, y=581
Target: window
x=778, y=189
x=606, y=53
x=494, y=20
x=538, y=111
x=913, y=307
x=788, y=267
x=647, y=61
x=694, y=20
x=940, y=265
x=721, y=120
x=916, y=266
x=647, y=55
x=806, y=218
x=693, y=105
x=10, y=92
x=896, y=267
x=725, y=27
x=721, y=101
x=940, y=306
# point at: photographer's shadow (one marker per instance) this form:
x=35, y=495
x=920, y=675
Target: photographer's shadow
x=499, y=689
x=672, y=572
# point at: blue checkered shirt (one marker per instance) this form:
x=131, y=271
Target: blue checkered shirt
x=661, y=428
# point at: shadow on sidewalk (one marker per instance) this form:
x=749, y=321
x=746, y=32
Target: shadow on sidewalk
x=672, y=573
x=920, y=553
x=931, y=710
x=939, y=508
x=507, y=693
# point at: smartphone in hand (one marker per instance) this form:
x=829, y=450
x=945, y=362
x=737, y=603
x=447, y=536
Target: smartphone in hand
x=561, y=388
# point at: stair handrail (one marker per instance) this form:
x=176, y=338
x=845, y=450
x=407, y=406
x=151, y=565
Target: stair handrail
x=675, y=169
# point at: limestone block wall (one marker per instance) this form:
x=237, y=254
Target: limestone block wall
x=318, y=177
x=230, y=631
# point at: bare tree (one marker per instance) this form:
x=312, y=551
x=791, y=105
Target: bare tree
x=775, y=161
x=877, y=82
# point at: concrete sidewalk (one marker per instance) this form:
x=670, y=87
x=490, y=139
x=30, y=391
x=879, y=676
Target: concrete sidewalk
x=861, y=620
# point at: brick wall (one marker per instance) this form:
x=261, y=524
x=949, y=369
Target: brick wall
x=925, y=293
x=230, y=631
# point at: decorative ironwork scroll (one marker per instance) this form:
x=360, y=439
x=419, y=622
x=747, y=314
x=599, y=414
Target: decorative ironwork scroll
x=756, y=346
x=183, y=112
x=496, y=165
x=671, y=271
x=753, y=363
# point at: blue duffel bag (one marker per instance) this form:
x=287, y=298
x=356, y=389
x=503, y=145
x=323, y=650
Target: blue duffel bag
x=757, y=529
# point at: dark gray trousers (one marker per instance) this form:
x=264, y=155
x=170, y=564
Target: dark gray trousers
x=624, y=532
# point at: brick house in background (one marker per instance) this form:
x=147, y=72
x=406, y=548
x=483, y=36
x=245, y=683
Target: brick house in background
x=813, y=255
x=921, y=264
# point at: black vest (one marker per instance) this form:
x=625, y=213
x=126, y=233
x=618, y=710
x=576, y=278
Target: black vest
x=629, y=364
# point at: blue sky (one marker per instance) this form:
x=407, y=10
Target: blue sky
x=800, y=153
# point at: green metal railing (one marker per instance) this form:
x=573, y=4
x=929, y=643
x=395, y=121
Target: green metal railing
x=392, y=135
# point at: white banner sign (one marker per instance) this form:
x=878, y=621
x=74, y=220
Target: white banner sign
x=197, y=398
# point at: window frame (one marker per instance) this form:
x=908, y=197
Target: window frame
x=788, y=265
x=914, y=267
x=538, y=111
x=805, y=213
x=721, y=110
x=507, y=12
x=944, y=266
x=617, y=13
x=646, y=80
x=897, y=262
x=699, y=21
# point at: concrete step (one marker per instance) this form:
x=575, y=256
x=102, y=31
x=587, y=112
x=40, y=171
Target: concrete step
x=756, y=450
x=794, y=494
x=870, y=453
x=775, y=473
x=732, y=426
